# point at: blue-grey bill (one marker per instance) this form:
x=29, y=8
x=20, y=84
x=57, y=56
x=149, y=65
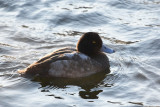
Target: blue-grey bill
x=106, y=49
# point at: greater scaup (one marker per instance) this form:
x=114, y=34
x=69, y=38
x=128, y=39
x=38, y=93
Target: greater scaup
x=88, y=58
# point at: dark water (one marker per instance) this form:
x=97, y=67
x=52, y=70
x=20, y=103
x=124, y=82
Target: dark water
x=29, y=29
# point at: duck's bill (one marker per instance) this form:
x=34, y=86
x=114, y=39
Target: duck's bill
x=107, y=50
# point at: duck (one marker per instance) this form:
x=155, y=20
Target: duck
x=86, y=59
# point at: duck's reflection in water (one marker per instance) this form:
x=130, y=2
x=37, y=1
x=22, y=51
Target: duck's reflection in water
x=86, y=84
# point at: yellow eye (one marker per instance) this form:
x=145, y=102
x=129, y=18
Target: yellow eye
x=94, y=42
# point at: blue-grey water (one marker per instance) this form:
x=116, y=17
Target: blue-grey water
x=29, y=29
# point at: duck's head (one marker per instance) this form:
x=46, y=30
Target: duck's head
x=91, y=44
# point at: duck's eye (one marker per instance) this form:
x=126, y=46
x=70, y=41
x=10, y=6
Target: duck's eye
x=93, y=42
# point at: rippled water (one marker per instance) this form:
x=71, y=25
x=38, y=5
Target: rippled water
x=29, y=29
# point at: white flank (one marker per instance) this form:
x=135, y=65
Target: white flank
x=83, y=56
x=69, y=55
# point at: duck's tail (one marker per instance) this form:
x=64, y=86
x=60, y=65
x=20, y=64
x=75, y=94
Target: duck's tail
x=22, y=71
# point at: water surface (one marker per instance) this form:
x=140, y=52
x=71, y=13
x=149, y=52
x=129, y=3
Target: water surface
x=29, y=29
